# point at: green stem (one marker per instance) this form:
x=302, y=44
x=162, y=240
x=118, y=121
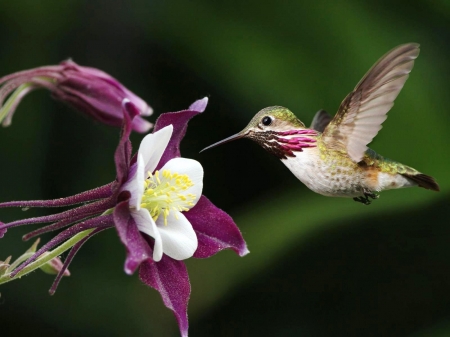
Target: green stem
x=16, y=263
x=44, y=259
x=7, y=106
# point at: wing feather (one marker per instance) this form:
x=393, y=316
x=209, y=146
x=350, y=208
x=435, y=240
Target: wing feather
x=362, y=112
x=320, y=120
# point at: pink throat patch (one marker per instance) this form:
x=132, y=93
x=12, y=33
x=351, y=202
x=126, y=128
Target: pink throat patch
x=284, y=144
x=297, y=143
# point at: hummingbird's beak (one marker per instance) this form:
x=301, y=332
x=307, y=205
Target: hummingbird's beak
x=226, y=140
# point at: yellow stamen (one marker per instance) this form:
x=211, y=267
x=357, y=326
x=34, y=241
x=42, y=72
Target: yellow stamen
x=164, y=192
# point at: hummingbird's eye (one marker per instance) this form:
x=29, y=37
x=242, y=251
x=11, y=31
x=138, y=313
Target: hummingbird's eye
x=267, y=121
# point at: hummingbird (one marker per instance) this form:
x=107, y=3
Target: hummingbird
x=331, y=157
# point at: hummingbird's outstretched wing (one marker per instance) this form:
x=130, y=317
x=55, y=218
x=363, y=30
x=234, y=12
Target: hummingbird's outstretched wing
x=320, y=121
x=362, y=112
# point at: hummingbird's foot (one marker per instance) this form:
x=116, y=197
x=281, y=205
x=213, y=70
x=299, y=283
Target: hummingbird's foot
x=370, y=194
x=365, y=200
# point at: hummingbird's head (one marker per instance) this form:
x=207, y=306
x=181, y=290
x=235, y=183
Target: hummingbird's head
x=273, y=118
x=272, y=128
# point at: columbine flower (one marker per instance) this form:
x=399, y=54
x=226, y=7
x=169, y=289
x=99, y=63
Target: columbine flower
x=159, y=197
x=89, y=90
x=156, y=206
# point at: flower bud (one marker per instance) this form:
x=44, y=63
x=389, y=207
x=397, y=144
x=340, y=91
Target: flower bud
x=54, y=266
x=88, y=90
x=4, y=265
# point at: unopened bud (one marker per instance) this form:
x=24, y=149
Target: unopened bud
x=88, y=90
x=4, y=265
x=54, y=266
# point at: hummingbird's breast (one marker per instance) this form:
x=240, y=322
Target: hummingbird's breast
x=329, y=174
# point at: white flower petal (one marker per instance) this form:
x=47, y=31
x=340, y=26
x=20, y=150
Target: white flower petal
x=146, y=225
x=135, y=184
x=179, y=240
x=153, y=145
x=193, y=169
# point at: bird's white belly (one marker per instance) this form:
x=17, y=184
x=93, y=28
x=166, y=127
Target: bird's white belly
x=328, y=178
x=387, y=181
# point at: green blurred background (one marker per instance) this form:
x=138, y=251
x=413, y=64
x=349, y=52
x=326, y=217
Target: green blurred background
x=318, y=266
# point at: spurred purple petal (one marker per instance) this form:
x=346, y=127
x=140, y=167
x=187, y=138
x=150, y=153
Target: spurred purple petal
x=102, y=221
x=138, y=249
x=179, y=120
x=104, y=191
x=67, y=217
x=123, y=151
x=215, y=230
x=171, y=279
x=69, y=259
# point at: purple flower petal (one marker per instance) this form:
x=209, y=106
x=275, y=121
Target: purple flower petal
x=141, y=125
x=138, y=249
x=69, y=259
x=102, y=221
x=179, y=120
x=171, y=279
x=101, y=192
x=123, y=151
x=67, y=217
x=199, y=105
x=215, y=230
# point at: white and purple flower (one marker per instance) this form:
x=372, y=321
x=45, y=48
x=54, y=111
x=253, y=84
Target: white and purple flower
x=156, y=206
x=159, y=197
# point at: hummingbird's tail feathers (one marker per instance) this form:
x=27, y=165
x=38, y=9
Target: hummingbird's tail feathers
x=423, y=181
